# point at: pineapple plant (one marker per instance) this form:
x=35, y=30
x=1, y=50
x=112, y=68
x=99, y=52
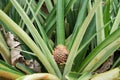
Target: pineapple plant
x=59, y=39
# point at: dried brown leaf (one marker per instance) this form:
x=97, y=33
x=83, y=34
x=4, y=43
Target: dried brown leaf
x=106, y=65
x=34, y=65
x=14, y=46
x=16, y=57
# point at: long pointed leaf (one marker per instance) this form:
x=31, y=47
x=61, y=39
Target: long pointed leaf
x=28, y=41
x=78, y=39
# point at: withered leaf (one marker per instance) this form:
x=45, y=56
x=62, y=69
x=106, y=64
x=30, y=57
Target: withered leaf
x=15, y=47
x=106, y=65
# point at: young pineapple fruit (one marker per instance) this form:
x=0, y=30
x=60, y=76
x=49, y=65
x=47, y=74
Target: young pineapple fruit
x=60, y=54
